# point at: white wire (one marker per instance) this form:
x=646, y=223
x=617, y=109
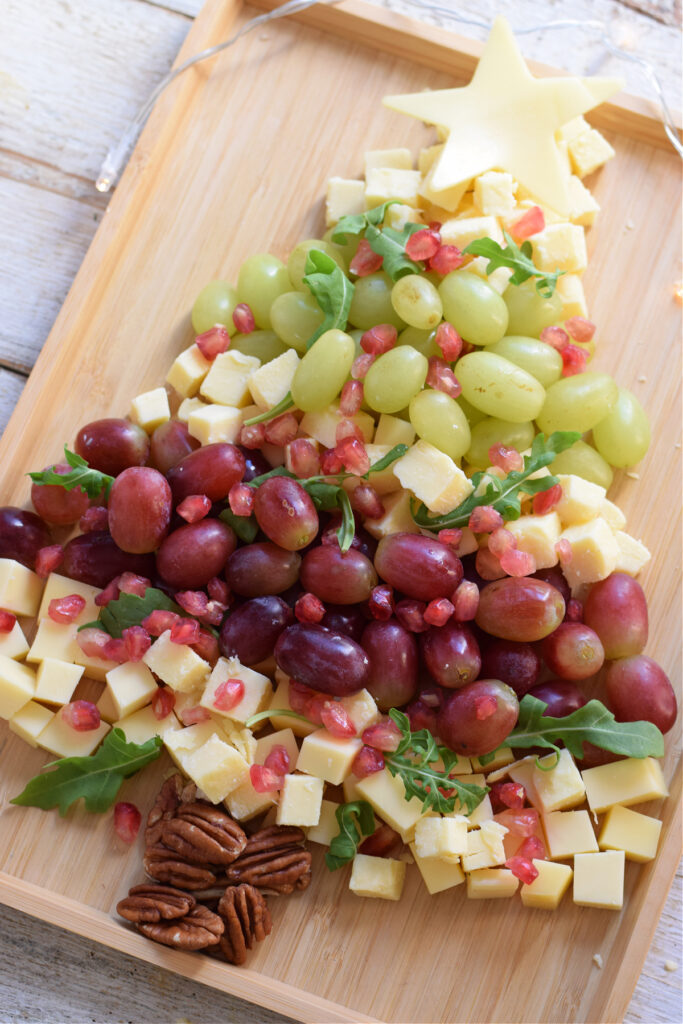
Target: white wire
x=117, y=156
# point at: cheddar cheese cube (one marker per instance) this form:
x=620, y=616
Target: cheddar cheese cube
x=501, y=757
x=300, y=801
x=631, y=781
x=485, y=847
x=188, y=406
x=387, y=796
x=400, y=214
x=17, y=686
x=559, y=787
x=56, y=680
x=245, y=803
x=57, y=586
x=583, y=207
x=180, y=743
x=227, y=382
x=384, y=481
x=61, y=739
x=426, y=158
x=482, y=812
x=612, y=515
x=188, y=371
x=377, y=877
x=280, y=702
x=442, y=837
x=281, y=738
x=460, y=231
x=328, y=757
x=437, y=875
x=327, y=827
x=20, y=588
x=399, y=159
x=397, y=517
x=632, y=555
x=537, y=536
x=257, y=690
x=491, y=884
x=14, y=644
x=142, y=725
x=361, y=709
x=569, y=832
x=29, y=721
x=150, y=409
x=636, y=834
x=349, y=786
x=212, y=424
x=216, y=767
x=177, y=665
x=433, y=477
x=322, y=425
x=345, y=197
x=594, y=552
x=131, y=685
x=548, y=888
x=384, y=183
x=392, y=430
x=272, y=381
x=494, y=193
x=446, y=199
x=599, y=879
x=569, y=287
x=588, y=150
x=560, y=247
x=581, y=500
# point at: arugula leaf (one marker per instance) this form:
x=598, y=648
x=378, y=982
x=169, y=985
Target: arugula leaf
x=260, y=716
x=331, y=289
x=391, y=245
x=356, y=223
x=396, y=452
x=270, y=414
x=347, y=530
x=245, y=527
x=412, y=762
x=519, y=259
x=130, y=609
x=90, y=480
x=97, y=778
x=504, y=494
x=356, y=821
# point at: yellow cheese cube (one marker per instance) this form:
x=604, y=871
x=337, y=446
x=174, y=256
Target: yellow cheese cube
x=214, y=423
x=499, y=279
x=20, y=588
x=392, y=430
x=188, y=371
x=227, y=382
x=377, y=877
x=503, y=756
x=537, y=535
x=569, y=287
x=95, y=668
x=384, y=183
x=17, y=686
x=594, y=552
x=632, y=555
x=588, y=150
x=177, y=665
x=599, y=879
x=462, y=766
x=399, y=214
x=387, y=796
x=245, y=803
x=345, y=198
x=441, y=837
x=636, y=834
x=61, y=739
x=560, y=247
x=150, y=409
x=433, y=477
x=384, y=481
x=257, y=690
x=180, y=743
x=280, y=702
x=57, y=680
x=581, y=500
x=446, y=199
x=572, y=129
x=300, y=801
x=349, y=786
x=631, y=781
x=59, y=640
x=131, y=685
x=328, y=757
x=217, y=768
x=238, y=736
x=142, y=725
x=361, y=709
x=612, y=515
x=582, y=206
x=561, y=786
x=521, y=772
x=281, y=738
x=491, y=884
x=485, y=847
x=460, y=231
x=548, y=888
x=494, y=193
x=61, y=586
x=327, y=827
x=482, y=813
x=272, y=381
x=426, y=158
x=399, y=159
x=14, y=644
x=29, y=721
x=397, y=517
x=188, y=406
x=322, y=426
x=569, y=832
x=106, y=707
x=437, y=875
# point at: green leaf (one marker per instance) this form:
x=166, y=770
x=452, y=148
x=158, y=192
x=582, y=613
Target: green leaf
x=271, y=414
x=331, y=289
x=356, y=821
x=130, y=609
x=261, y=716
x=504, y=495
x=278, y=471
x=518, y=259
x=97, y=778
x=325, y=496
x=396, y=452
x=245, y=527
x=391, y=246
x=81, y=475
x=355, y=224
x=347, y=530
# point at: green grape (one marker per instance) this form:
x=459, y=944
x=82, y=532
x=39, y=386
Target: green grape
x=296, y=264
x=322, y=372
x=371, y=303
x=577, y=403
x=529, y=312
x=540, y=360
x=499, y=388
x=417, y=301
x=438, y=418
x=475, y=309
x=474, y=416
x=423, y=341
x=493, y=431
x=623, y=437
x=265, y=345
x=215, y=304
x=261, y=279
x=582, y=460
x=295, y=317
x=395, y=378
x=346, y=251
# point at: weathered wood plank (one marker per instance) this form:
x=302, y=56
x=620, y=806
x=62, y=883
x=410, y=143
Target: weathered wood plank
x=11, y=386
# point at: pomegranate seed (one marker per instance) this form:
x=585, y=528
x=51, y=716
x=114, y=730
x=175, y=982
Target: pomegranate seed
x=8, y=621
x=367, y=501
x=351, y=398
x=194, y=507
x=366, y=762
x=507, y=459
x=241, y=499
x=574, y=360
x=381, y=602
x=194, y=602
x=194, y=715
x=441, y=378
x=451, y=536
x=517, y=563
x=163, y=702
x=485, y=519
x=336, y=720
x=522, y=868
x=379, y=339
x=110, y=593
x=449, y=341
x=574, y=611
x=131, y=583
x=330, y=463
x=382, y=843
x=185, y=631
x=94, y=518
x=465, y=601
x=347, y=428
x=253, y=436
x=383, y=736
x=438, y=612
x=309, y=608
x=556, y=337
x=580, y=329
x=446, y=259
x=158, y=621
x=282, y=430
x=213, y=342
x=532, y=847
x=48, y=559
x=361, y=365
x=66, y=609
x=115, y=650
x=277, y=759
x=423, y=245
x=353, y=455
x=530, y=223
x=81, y=715
x=127, y=821
x=92, y=641
x=564, y=551
x=206, y=647
x=300, y=697
x=228, y=694
x=218, y=590
x=501, y=540
x=215, y=610
x=137, y=641
x=485, y=706
x=243, y=318
x=265, y=780
x=365, y=261
x=510, y=794
x=487, y=565
x=520, y=823
x=410, y=614
x=303, y=458
x=545, y=501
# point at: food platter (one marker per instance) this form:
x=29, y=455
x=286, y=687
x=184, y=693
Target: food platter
x=234, y=161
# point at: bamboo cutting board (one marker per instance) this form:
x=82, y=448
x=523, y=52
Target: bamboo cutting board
x=234, y=161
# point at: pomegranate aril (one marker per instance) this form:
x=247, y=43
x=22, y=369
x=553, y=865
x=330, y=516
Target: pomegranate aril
x=501, y=540
x=365, y=261
x=253, y=436
x=81, y=715
x=441, y=377
x=533, y=848
x=127, y=821
x=228, y=694
x=361, y=365
x=306, y=701
x=194, y=602
x=530, y=223
x=366, y=762
x=131, y=583
x=194, y=715
x=574, y=611
x=213, y=342
x=48, y=559
x=451, y=536
x=66, y=609
x=336, y=720
x=488, y=565
x=8, y=621
x=517, y=563
x=574, y=360
x=185, y=631
x=351, y=398
x=304, y=460
x=507, y=459
x=206, y=647
x=94, y=518
x=384, y=736
x=438, y=612
x=522, y=868
x=545, y=501
x=446, y=259
x=282, y=430
x=379, y=339
x=509, y=794
x=346, y=428
x=330, y=462
x=563, y=550
x=137, y=641
x=219, y=590
x=410, y=614
x=110, y=593
x=115, y=650
x=353, y=456
x=449, y=341
x=243, y=318
x=278, y=759
x=163, y=702
x=381, y=602
x=215, y=610
x=465, y=601
x=556, y=337
x=580, y=329
x=522, y=823
x=158, y=621
x=241, y=499
x=367, y=501
x=485, y=519
x=92, y=641
x=423, y=245
x=309, y=608
x=194, y=507
x=265, y=780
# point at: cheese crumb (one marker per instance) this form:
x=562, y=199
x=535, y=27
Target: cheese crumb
x=670, y=965
x=597, y=960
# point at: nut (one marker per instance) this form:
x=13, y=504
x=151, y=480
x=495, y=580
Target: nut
x=273, y=860
x=154, y=903
x=247, y=920
x=202, y=834
x=164, y=808
x=165, y=866
x=198, y=929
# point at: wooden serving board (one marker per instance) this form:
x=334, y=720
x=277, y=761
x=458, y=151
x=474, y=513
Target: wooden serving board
x=234, y=161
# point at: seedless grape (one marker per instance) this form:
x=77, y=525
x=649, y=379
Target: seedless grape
x=296, y=264
x=395, y=378
x=371, y=303
x=475, y=309
x=438, y=418
x=623, y=437
x=528, y=311
x=322, y=372
x=261, y=279
x=540, y=360
x=577, y=403
x=583, y=460
x=499, y=388
x=494, y=431
x=417, y=301
x=295, y=316
x=215, y=304
x=423, y=341
x=265, y=345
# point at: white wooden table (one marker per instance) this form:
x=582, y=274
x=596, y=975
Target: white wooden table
x=72, y=74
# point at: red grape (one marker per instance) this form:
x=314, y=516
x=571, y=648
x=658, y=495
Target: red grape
x=193, y=554
x=520, y=608
x=476, y=719
x=171, y=442
x=112, y=445
x=251, y=631
x=562, y=697
x=392, y=652
x=516, y=664
x=345, y=618
x=94, y=558
x=451, y=654
x=418, y=566
x=255, y=463
x=555, y=577
x=286, y=513
x=341, y=578
x=617, y=610
x=22, y=535
x=321, y=659
x=55, y=504
x=639, y=690
x=139, y=509
x=262, y=568
x=211, y=470
x=573, y=651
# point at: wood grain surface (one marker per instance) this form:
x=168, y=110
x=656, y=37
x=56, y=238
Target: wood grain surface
x=298, y=217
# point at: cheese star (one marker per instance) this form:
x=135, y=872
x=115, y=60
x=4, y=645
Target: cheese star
x=506, y=119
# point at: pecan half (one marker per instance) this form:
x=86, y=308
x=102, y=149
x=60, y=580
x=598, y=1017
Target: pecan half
x=165, y=866
x=273, y=860
x=247, y=920
x=154, y=903
x=198, y=929
x=165, y=806
x=203, y=834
